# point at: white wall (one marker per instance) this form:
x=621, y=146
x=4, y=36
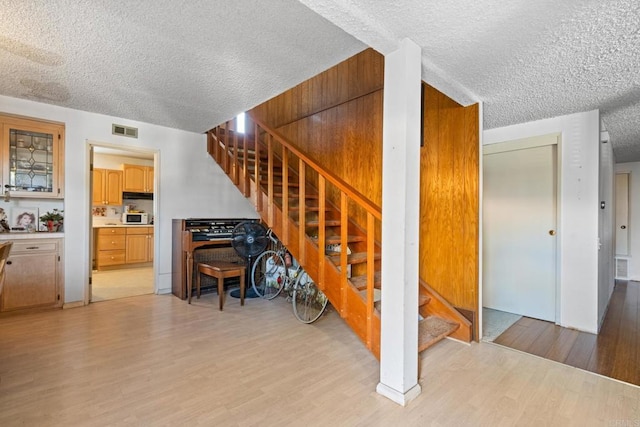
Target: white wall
x=606, y=231
x=190, y=184
x=633, y=169
x=578, y=210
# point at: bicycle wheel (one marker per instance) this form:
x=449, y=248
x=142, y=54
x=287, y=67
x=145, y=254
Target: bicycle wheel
x=267, y=274
x=308, y=301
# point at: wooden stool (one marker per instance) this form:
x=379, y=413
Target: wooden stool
x=220, y=270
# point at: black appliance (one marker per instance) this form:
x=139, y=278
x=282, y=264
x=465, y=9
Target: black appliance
x=128, y=195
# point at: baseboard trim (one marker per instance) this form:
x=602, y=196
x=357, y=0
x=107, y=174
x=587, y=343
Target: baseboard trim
x=398, y=397
x=73, y=304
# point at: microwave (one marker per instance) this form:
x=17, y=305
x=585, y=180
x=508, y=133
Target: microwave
x=135, y=218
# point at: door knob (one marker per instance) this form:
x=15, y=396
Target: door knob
x=623, y=227
x=552, y=232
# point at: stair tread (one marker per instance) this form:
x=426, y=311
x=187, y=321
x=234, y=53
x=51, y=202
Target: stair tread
x=433, y=329
x=354, y=258
x=294, y=195
x=309, y=208
x=332, y=240
x=327, y=222
x=276, y=172
x=292, y=184
x=360, y=282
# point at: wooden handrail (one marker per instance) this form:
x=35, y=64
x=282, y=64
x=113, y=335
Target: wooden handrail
x=329, y=176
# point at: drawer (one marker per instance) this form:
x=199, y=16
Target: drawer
x=111, y=258
x=109, y=243
x=112, y=231
x=31, y=246
x=138, y=230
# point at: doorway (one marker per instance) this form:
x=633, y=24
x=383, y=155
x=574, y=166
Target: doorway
x=519, y=228
x=124, y=276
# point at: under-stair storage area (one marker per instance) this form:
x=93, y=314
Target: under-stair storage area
x=312, y=167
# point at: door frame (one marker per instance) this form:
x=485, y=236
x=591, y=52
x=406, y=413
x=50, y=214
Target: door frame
x=554, y=138
x=90, y=145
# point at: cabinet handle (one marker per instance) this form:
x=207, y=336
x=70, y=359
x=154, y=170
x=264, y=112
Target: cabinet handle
x=9, y=262
x=33, y=247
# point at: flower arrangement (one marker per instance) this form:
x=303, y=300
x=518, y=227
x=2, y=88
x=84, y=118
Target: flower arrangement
x=53, y=219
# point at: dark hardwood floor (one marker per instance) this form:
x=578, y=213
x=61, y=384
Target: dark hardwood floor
x=615, y=352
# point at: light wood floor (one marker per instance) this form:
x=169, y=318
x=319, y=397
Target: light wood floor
x=121, y=283
x=614, y=352
x=155, y=360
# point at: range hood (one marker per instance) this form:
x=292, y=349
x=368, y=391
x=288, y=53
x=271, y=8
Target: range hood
x=136, y=196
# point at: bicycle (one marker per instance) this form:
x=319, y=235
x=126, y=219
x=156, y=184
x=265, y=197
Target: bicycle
x=271, y=274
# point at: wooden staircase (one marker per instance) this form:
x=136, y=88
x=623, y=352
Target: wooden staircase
x=312, y=211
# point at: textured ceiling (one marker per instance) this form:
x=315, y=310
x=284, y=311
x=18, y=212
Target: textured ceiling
x=525, y=60
x=191, y=65
x=183, y=64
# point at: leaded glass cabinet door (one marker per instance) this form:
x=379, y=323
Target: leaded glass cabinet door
x=32, y=158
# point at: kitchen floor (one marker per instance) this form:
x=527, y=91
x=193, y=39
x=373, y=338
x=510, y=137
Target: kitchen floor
x=128, y=282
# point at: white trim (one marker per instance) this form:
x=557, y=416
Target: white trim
x=399, y=398
x=521, y=144
x=480, y=218
x=156, y=209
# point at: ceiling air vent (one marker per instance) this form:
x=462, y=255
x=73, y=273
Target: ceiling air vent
x=124, y=131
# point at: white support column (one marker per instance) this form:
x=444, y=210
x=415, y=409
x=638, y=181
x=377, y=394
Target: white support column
x=400, y=224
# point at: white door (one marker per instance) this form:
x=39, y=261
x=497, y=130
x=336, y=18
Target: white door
x=622, y=214
x=519, y=231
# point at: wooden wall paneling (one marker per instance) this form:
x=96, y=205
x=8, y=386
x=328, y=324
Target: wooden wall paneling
x=316, y=93
x=361, y=63
x=449, y=200
x=442, y=229
x=304, y=99
x=441, y=222
x=472, y=201
x=370, y=67
x=354, y=77
x=455, y=127
x=428, y=196
x=372, y=108
x=330, y=88
x=342, y=85
x=294, y=112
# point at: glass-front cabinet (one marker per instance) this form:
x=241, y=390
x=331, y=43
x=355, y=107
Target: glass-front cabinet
x=32, y=158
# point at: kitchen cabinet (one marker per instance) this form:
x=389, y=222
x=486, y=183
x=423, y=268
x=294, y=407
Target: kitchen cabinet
x=137, y=178
x=32, y=157
x=110, y=246
x=33, y=275
x=117, y=246
x=139, y=245
x=107, y=187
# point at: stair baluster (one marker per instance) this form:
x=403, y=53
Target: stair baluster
x=242, y=159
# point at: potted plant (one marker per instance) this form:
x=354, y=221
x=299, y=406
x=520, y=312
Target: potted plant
x=53, y=219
